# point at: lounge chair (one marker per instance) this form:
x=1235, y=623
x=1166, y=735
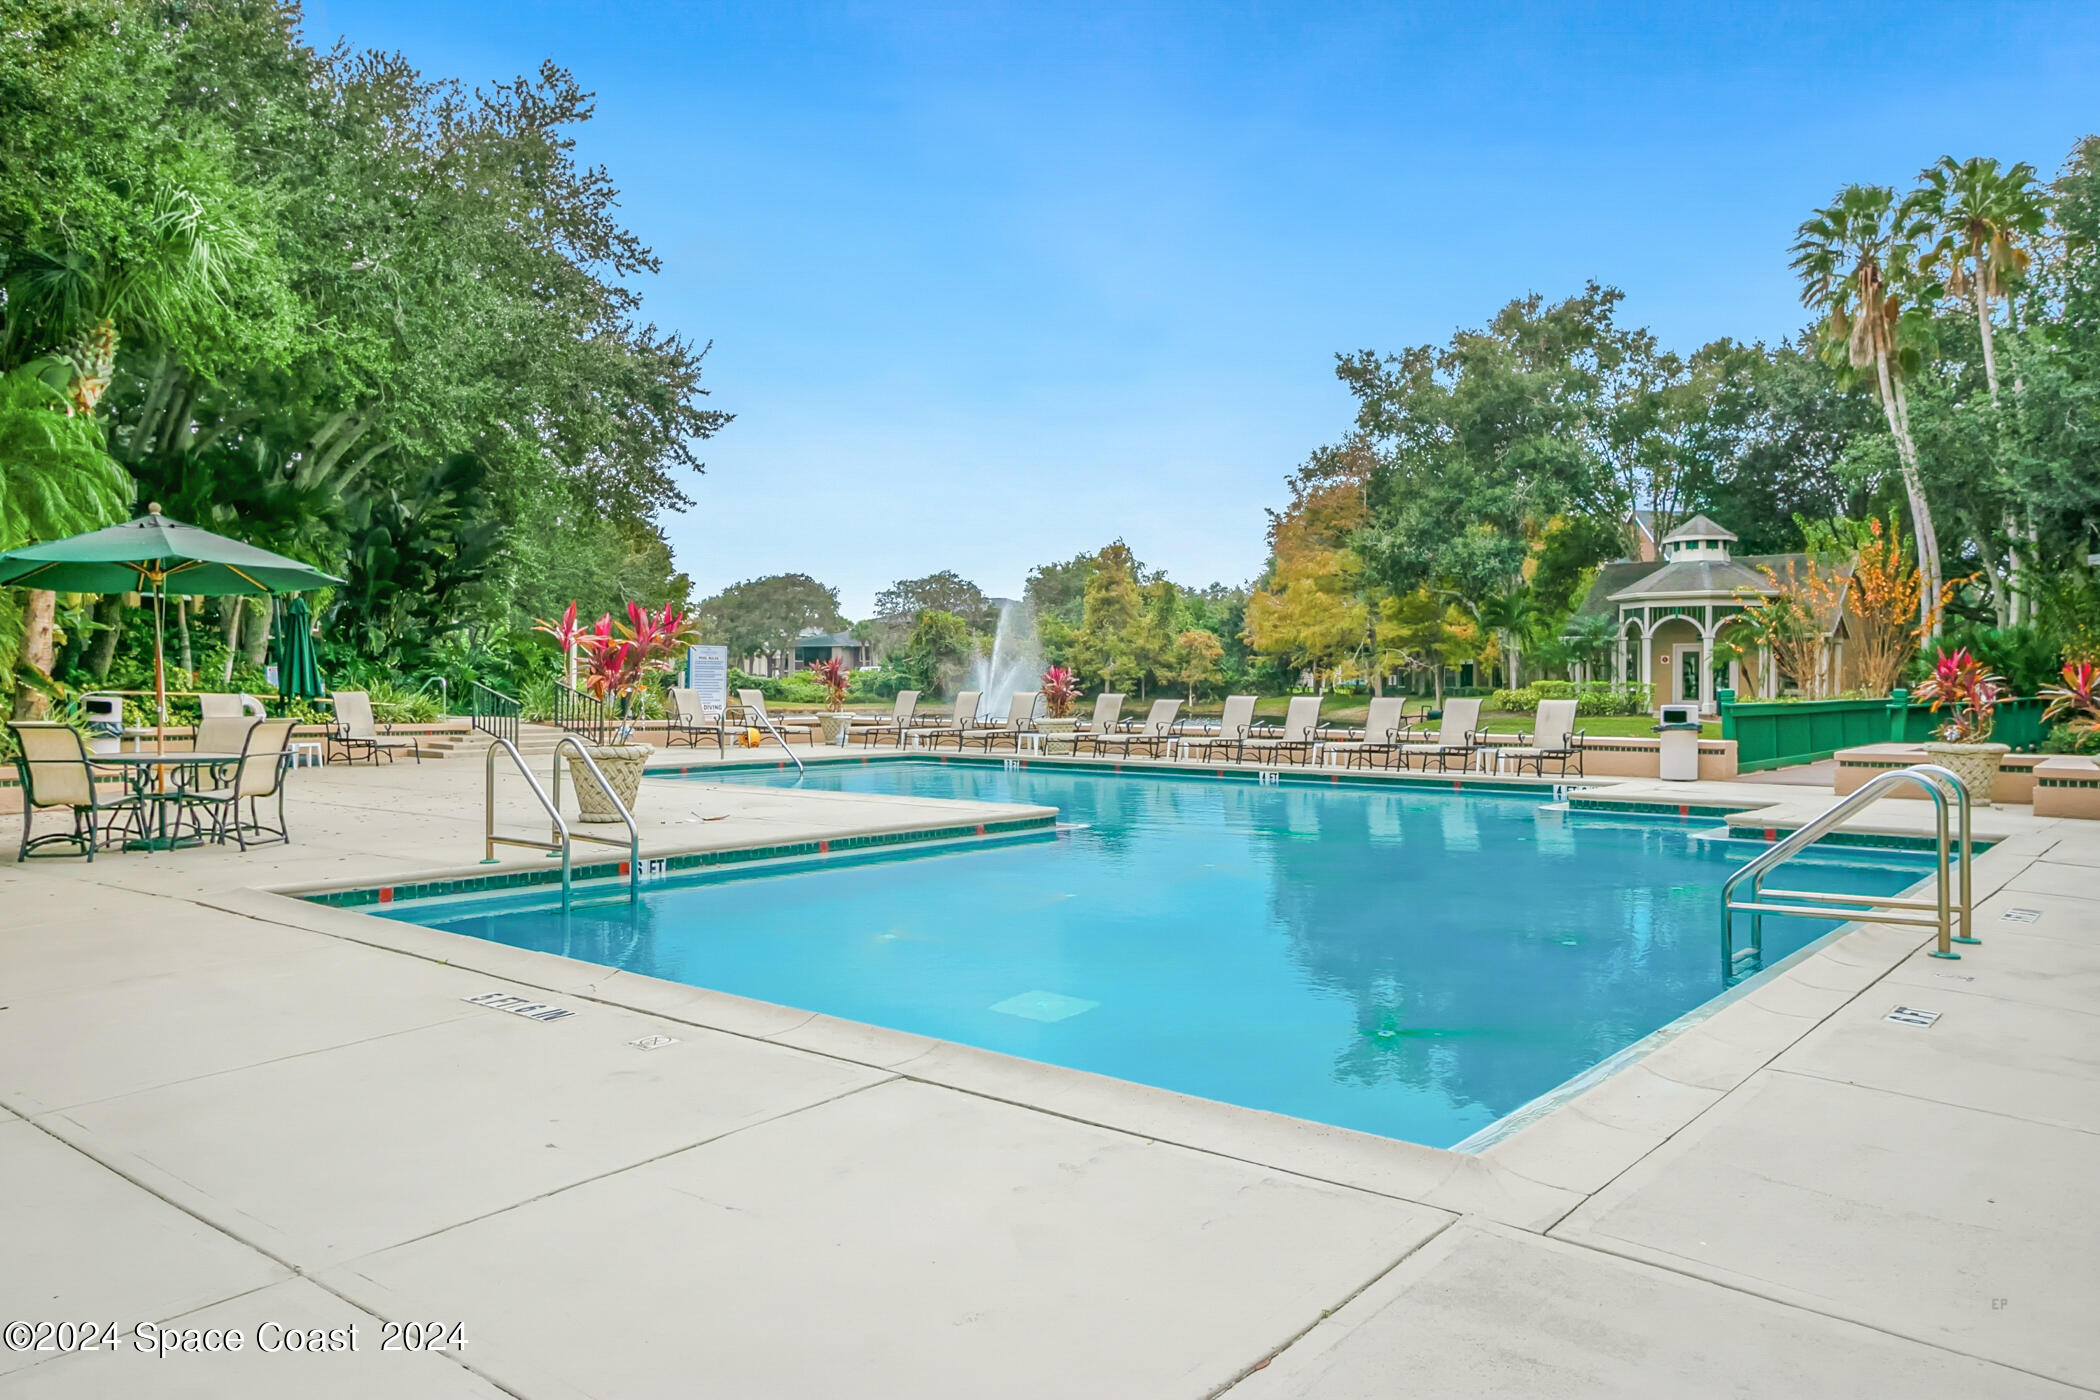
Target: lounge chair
x=1108, y=713
x=1553, y=739
x=1233, y=727
x=1300, y=735
x=687, y=718
x=264, y=754
x=52, y=761
x=1020, y=718
x=960, y=722
x=1384, y=723
x=902, y=709
x=1153, y=735
x=754, y=703
x=1456, y=737
x=357, y=732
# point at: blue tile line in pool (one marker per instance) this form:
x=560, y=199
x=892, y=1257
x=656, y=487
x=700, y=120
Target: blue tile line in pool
x=1408, y=961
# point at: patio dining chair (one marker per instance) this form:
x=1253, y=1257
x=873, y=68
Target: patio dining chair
x=52, y=762
x=901, y=721
x=1300, y=736
x=222, y=733
x=1384, y=722
x=1553, y=739
x=1457, y=737
x=1153, y=735
x=265, y=755
x=1020, y=716
x=214, y=704
x=357, y=732
x=688, y=718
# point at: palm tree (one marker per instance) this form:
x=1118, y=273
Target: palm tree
x=1856, y=263
x=179, y=265
x=1509, y=616
x=55, y=480
x=1982, y=215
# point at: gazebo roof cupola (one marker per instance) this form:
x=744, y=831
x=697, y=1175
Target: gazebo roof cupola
x=1698, y=541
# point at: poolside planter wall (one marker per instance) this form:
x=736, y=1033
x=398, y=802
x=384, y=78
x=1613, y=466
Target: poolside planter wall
x=1776, y=734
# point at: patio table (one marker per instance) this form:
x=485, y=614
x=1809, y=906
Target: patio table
x=142, y=767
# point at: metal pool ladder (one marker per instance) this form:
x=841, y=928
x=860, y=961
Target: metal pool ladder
x=561, y=840
x=1941, y=786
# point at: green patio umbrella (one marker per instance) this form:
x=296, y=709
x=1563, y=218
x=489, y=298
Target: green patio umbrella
x=298, y=672
x=154, y=554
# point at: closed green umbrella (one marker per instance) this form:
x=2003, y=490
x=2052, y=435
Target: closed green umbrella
x=298, y=670
x=156, y=555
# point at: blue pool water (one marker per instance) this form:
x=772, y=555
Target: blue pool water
x=1414, y=963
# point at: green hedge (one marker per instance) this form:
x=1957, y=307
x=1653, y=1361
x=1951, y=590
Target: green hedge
x=1591, y=698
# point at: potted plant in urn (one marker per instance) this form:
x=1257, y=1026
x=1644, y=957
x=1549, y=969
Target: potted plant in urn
x=1970, y=692
x=617, y=662
x=832, y=676
x=1060, y=689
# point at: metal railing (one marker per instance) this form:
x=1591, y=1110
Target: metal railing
x=496, y=714
x=754, y=714
x=1941, y=786
x=583, y=714
x=561, y=840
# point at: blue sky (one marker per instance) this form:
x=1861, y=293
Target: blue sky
x=992, y=285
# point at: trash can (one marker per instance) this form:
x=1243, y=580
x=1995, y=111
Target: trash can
x=1679, y=762
x=105, y=717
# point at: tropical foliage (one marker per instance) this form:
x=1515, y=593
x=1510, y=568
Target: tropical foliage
x=317, y=300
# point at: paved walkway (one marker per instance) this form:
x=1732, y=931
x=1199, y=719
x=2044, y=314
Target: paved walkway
x=224, y=1109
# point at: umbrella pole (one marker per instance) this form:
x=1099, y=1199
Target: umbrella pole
x=160, y=681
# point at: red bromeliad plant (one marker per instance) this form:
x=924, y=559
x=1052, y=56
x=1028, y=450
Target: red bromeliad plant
x=2078, y=697
x=1963, y=683
x=832, y=676
x=619, y=658
x=1060, y=689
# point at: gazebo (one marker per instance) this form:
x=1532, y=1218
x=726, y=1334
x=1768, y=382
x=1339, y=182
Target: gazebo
x=1670, y=611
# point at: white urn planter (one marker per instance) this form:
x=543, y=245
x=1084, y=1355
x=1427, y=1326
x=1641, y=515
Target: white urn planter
x=834, y=726
x=1975, y=764
x=622, y=766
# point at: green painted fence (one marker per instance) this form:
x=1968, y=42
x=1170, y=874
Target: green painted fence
x=1774, y=734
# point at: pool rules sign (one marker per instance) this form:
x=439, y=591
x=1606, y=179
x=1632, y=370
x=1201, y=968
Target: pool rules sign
x=707, y=673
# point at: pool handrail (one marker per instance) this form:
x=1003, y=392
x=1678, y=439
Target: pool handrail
x=758, y=712
x=1941, y=786
x=561, y=840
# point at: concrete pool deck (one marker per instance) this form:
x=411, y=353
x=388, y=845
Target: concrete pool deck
x=227, y=1107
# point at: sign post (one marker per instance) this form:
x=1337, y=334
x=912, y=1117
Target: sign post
x=707, y=675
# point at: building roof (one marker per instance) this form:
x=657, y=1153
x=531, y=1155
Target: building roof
x=1722, y=578
x=828, y=639
x=1697, y=528
x=1611, y=579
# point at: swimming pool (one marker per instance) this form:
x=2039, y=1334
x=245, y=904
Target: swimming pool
x=1411, y=962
